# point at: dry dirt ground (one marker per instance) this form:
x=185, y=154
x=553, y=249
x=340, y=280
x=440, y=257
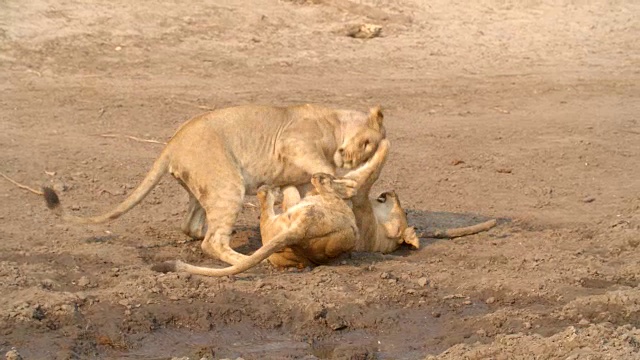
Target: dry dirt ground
x=523, y=110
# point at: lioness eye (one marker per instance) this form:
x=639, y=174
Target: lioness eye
x=365, y=144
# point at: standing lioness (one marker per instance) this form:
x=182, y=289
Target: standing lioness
x=221, y=155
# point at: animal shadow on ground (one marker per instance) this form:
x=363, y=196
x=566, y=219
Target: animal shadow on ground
x=429, y=221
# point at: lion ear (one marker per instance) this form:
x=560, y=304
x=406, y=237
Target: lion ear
x=375, y=118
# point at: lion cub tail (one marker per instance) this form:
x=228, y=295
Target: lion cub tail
x=279, y=242
x=160, y=167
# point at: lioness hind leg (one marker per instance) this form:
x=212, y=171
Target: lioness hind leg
x=222, y=205
x=195, y=222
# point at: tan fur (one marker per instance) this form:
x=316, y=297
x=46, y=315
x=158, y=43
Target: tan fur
x=382, y=223
x=221, y=155
x=319, y=225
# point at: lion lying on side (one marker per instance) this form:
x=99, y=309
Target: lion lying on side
x=321, y=224
x=382, y=223
x=221, y=155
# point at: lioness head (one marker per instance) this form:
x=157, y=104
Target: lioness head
x=361, y=135
x=390, y=204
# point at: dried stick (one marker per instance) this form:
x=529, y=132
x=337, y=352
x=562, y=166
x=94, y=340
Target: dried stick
x=209, y=108
x=134, y=138
x=24, y=187
x=458, y=232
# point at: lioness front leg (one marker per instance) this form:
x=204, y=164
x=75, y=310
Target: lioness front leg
x=368, y=173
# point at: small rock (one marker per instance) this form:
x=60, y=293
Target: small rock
x=75, y=207
x=588, y=199
x=583, y=322
x=467, y=302
x=47, y=284
x=118, y=48
x=423, y=281
x=335, y=322
x=364, y=31
x=527, y=325
x=13, y=354
x=83, y=281
x=435, y=314
x=490, y=300
x=59, y=186
x=481, y=332
x=385, y=275
x=38, y=313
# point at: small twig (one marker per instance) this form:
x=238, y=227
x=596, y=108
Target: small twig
x=24, y=187
x=458, y=232
x=35, y=72
x=203, y=107
x=134, y=138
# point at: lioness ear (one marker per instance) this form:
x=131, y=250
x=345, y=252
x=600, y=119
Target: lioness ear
x=375, y=118
x=409, y=236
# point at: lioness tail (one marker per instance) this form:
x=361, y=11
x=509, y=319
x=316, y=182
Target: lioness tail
x=159, y=168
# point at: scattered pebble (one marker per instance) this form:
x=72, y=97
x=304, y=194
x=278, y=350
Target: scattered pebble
x=364, y=31
x=588, y=199
x=83, y=281
x=423, y=281
x=13, y=354
x=490, y=300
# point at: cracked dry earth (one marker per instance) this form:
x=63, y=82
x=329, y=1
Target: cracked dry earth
x=525, y=111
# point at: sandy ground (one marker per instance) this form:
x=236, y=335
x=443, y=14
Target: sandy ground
x=522, y=110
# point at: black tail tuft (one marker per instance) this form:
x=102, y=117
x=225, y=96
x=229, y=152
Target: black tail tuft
x=165, y=267
x=51, y=197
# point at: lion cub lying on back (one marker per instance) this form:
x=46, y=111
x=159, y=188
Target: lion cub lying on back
x=382, y=223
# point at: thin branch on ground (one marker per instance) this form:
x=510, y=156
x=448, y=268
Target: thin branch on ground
x=203, y=107
x=21, y=186
x=134, y=138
